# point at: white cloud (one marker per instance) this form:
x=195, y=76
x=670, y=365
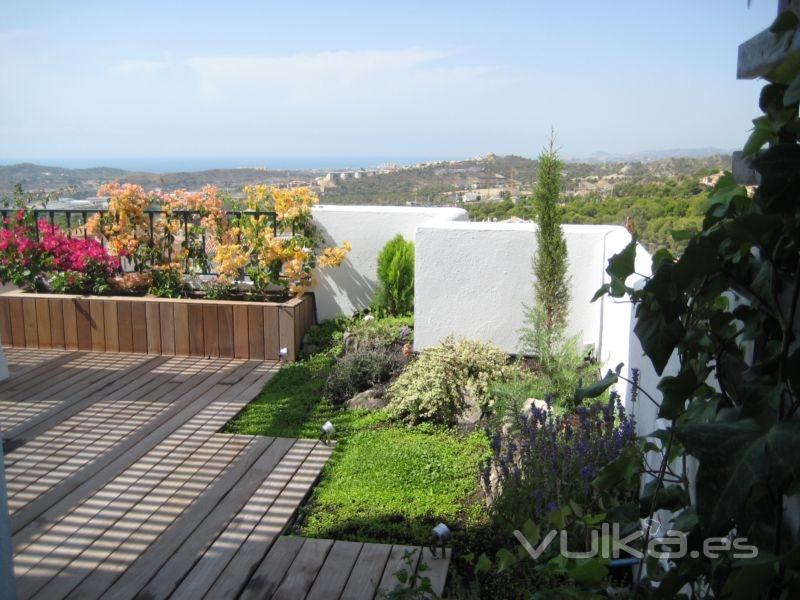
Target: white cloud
x=140, y=66
x=331, y=76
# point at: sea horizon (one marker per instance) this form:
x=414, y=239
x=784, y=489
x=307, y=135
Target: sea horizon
x=172, y=164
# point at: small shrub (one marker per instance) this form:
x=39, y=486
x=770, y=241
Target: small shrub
x=359, y=371
x=438, y=384
x=508, y=395
x=395, y=295
x=384, y=332
x=553, y=459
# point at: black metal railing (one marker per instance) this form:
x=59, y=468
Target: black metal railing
x=72, y=219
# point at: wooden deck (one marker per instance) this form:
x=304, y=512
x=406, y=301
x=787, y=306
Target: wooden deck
x=121, y=486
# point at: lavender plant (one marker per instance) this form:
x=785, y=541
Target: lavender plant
x=551, y=460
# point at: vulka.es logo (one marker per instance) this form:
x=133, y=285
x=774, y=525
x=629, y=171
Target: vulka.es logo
x=608, y=543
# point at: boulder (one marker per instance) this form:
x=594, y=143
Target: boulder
x=373, y=399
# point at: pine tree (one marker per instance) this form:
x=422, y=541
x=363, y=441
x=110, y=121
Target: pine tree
x=547, y=318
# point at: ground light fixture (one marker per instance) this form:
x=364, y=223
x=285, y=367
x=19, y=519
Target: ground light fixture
x=439, y=536
x=326, y=432
x=283, y=353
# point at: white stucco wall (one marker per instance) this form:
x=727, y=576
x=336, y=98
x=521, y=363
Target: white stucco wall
x=472, y=280
x=350, y=287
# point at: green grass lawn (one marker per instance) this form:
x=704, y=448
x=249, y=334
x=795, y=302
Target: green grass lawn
x=385, y=482
x=390, y=483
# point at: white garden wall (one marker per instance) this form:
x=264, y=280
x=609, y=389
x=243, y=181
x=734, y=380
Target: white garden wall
x=350, y=287
x=473, y=280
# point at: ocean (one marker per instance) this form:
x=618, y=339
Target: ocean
x=202, y=163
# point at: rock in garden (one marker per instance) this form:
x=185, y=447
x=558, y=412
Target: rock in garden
x=372, y=399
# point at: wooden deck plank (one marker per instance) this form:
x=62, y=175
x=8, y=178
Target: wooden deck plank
x=29, y=325
x=334, y=574
x=83, y=324
x=255, y=326
x=5, y=323
x=402, y=558
x=367, y=572
x=43, y=323
x=153, y=324
x=181, y=315
x=197, y=396
x=272, y=342
x=98, y=324
x=55, y=565
x=270, y=573
x=303, y=572
x=17, y=322
x=146, y=521
x=74, y=394
x=437, y=569
x=70, y=323
x=133, y=486
x=273, y=521
x=167, y=321
x=192, y=437
x=111, y=326
x=241, y=338
x=176, y=564
x=248, y=536
x=139, y=327
x=125, y=326
x=200, y=402
x=56, y=323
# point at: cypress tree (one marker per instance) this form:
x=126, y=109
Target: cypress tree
x=547, y=318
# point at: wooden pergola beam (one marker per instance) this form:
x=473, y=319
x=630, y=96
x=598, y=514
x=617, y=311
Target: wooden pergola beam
x=760, y=54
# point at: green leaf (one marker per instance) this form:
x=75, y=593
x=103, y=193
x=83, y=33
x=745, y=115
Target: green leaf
x=757, y=140
x=598, y=387
x=504, y=559
x=602, y=291
x=620, y=472
x=736, y=457
x=676, y=391
x=786, y=21
x=792, y=94
x=484, y=564
x=531, y=532
x=671, y=497
x=748, y=582
x=658, y=336
x=592, y=570
x=622, y=264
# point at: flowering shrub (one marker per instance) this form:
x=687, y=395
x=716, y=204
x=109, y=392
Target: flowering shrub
x=22, y=261
x=67, y=264
x=274, y=256
x=444, y=380
x=551, y=460
x=160, y=236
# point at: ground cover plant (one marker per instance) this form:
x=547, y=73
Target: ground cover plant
x=386, y=481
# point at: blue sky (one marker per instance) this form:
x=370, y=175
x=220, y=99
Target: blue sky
x=431, y=79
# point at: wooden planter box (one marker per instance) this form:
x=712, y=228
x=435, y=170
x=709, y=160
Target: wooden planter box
x=171, y=326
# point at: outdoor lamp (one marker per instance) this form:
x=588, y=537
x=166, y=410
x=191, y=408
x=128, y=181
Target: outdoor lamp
x=326, y=432
x=439, y=536
x=283, y=353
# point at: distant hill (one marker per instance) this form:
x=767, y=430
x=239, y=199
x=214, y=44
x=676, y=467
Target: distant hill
x=440, y=182
x=652, y=155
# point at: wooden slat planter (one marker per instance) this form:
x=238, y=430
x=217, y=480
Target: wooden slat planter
x=169, y=326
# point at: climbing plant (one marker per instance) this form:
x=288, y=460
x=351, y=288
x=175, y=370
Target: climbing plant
x=726, y=309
